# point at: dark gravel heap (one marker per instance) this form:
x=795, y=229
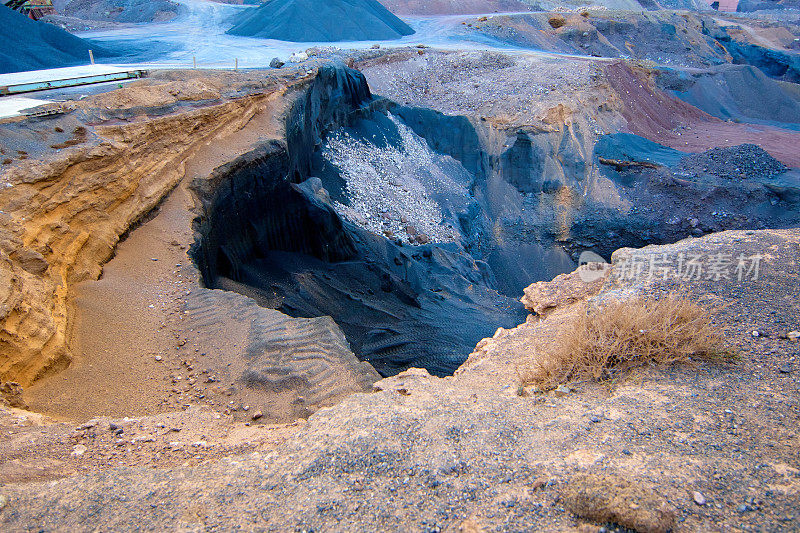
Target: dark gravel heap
x=29, y=45
x=329, y=21
x=745, y=161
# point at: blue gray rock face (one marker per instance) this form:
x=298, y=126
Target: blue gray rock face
x=269, y=224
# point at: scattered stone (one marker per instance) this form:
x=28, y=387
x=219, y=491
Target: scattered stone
x=785, y=368
x=3, y=501
x=755, y=333
x=158, y=358
x=793, y=335
x=78, y=450
x=562, y=390
x=745, y=161
x=698, y=498
x=258, y=414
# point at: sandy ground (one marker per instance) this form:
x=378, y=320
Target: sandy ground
x=135, y=311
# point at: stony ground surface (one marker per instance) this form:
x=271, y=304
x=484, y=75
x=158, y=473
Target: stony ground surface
x=509, y=89
x=391, y=190
x=705, y=447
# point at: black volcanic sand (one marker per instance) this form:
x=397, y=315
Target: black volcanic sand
x=330, y=21
x=30, y=45
x=398, y=305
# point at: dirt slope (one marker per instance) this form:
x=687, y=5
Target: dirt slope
x=453, y=7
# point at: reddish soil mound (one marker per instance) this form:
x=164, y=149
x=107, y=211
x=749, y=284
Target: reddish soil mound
x=663, y=118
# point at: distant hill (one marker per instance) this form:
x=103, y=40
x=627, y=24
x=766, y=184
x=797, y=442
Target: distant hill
x=453, y=7
x=29, y=45
x=128, y=11
x=330, y=21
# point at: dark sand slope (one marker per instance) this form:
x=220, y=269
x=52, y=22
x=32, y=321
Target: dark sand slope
x=741, y=93
x=309, y=21
x=29, y=45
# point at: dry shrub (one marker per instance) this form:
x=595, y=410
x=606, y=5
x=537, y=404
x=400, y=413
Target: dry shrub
x=620, y=335
x=557, y=22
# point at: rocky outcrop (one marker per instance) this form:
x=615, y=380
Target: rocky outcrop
x=565, y=289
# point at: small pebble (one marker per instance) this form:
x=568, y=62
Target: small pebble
x=258, y=414
x=78, y=450
x=158, y=358
x=562, y=390
x=698, y=497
